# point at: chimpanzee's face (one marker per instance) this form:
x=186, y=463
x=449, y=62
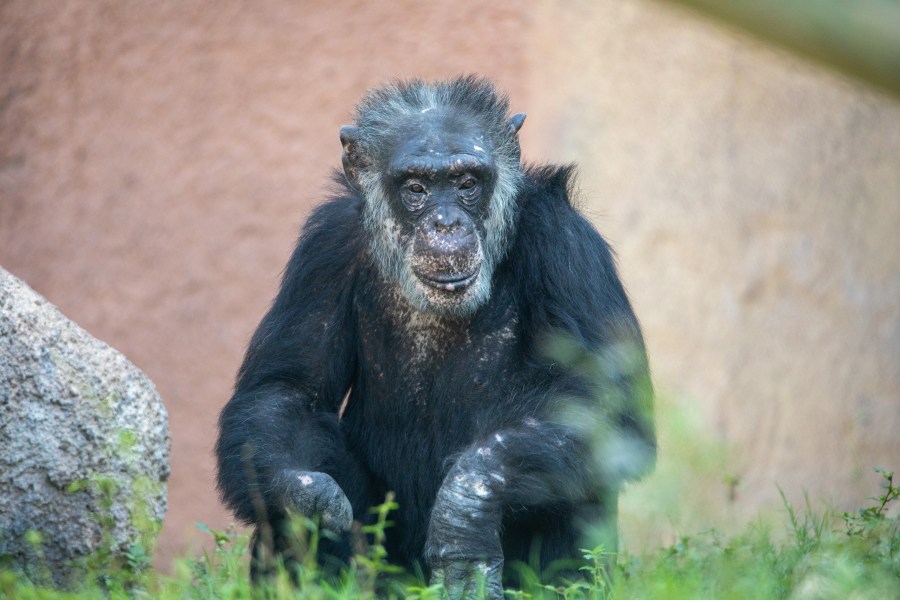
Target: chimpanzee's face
x=440, y=178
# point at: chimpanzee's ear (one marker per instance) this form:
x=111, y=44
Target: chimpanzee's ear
x=515, y=122
x=353, y=158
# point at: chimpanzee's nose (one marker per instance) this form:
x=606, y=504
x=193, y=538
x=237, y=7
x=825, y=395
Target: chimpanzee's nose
x=451, y=219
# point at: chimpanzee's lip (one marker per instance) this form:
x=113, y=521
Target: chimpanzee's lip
x=450, y=283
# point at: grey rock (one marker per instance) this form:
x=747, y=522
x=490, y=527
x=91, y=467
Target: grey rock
x=84, y=444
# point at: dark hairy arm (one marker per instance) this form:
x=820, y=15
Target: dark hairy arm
x=586, y=423
x=586, y=336
x=279, y=444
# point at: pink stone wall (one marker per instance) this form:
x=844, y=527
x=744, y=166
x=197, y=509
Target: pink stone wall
x=158, y=158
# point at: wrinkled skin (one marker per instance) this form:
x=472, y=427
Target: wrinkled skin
x=438, y=180
x=468, y=566
x=315, y=494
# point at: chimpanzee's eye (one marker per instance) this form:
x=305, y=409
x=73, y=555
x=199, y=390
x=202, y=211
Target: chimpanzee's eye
x=414, y=195
x=469, y=191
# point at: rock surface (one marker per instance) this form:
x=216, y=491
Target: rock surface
x=84, y=442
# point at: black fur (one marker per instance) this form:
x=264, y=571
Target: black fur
x=432, y=393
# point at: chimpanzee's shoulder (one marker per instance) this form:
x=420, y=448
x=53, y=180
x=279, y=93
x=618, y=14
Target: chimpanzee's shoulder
x=548, y=180
x=564, y=270
x=549, y=218
x=330, y=244
x=339, y=218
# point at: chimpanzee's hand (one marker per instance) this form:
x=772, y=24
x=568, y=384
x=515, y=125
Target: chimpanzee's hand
x=470, y=580
x=312, y=493
x=463, y=546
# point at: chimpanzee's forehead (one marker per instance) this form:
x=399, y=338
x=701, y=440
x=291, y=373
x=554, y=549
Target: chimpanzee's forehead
x=441, y=130
x=441, y=139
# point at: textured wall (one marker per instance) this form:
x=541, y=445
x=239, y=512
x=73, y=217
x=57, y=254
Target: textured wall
x=754, y=202
x=157, y=158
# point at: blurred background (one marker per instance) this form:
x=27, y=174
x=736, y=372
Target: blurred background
x=158, y=158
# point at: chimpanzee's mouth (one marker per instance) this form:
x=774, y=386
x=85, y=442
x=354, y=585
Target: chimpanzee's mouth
x=451, y=282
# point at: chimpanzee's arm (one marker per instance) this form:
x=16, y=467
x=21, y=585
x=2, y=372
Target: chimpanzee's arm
x=279, y=443
x=587, y=424
x=584, y=332
x=566, y=458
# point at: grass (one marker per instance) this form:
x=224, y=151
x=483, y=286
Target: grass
x=809, y=556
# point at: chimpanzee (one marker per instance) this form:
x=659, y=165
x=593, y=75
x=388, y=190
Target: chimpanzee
x=451, y=329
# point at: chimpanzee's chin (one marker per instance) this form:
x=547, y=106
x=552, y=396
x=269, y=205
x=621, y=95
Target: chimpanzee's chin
x=453, y=297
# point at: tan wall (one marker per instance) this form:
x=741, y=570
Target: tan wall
x=156, y=160
x=754, y=201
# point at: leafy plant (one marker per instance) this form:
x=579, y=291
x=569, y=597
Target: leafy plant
x=815, y=556
x=876, y=535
